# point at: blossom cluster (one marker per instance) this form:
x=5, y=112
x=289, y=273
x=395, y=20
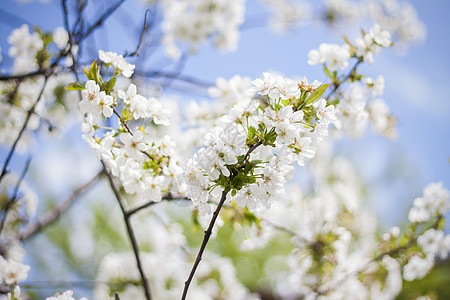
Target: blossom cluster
x=246, y=145
x=251, y=149
x=398, y=17
x=31, y=52
x=195, y=22
x=357, y=105
x=435, y=202
x=144, y=162
x=335, y=251
x=11, y=271
x=67, y=295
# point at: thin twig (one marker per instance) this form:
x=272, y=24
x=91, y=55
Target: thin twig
x=286, y=229
x=24, y=126
x=117, y=113
x=66, y=17
x=178, y=69
x=51, y=216
x=10, y=18
x=144, y=28
x=247, y=155
x=101, y=19
x=176, y=76
x=208, y=233
x=130, y=232
x=337, y=85
x=168, y=197
x=14, y=195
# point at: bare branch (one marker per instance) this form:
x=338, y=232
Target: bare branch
x=210, y=227
x=176, y=76
x=168, y=197
x=208, y=233
x=14, y=196
x=101, y=20
x=66, y=17
x=10, y=18
x=144, y=28
x=51, y=216
x=24, y=126
x=130, y=233
x=286, y=229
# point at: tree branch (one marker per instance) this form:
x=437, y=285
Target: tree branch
x=14, y=196
x=144, y=28
x=176, y=76
x=51, y=216
x=130, y=233
x=9, y=18
x=101, y=20
x=168, y=197
x=24, y=126
x=208, y=233
x=337, y=85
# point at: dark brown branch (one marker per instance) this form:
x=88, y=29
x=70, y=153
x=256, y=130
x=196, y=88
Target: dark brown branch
x=24, y=126
x=208, y=233
x=51, y=216
x=130, y=233
x=117, y=113
x=14, y=195
x=211, y=225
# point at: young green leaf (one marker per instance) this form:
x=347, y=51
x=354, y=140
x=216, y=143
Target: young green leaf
x=75, y=86
x=316, y=94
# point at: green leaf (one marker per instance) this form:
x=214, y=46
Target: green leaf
x=75, y=86
x=316, y=94
x=325, y=69
x=95, y=71
x=251, y=132
x=248, y=167
x=88, y=74
x=334, y=102
x=240, y=158
x=109, y=85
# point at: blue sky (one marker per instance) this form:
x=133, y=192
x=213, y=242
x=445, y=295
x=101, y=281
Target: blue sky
x=416, y=88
